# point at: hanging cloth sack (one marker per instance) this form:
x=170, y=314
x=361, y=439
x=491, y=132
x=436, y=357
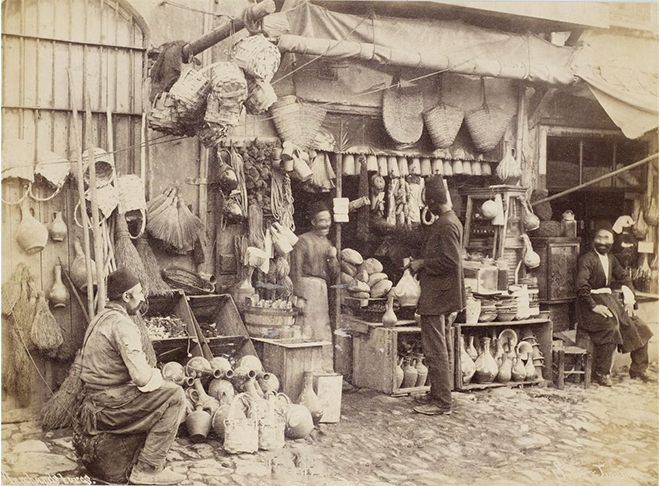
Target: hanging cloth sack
x=651, y=211
x=640, y=228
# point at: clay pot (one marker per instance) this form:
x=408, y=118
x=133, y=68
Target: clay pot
x=309, y=398
x=299, y=422
x=31, y=235
x=504, y=373
x=57, y=228
x=468, y=368
x=530, y=370
x=389, y=318
x=409, y=374
x=175, y=373
x=58, y=295
x=472, y=311
x=471, y=350
x=518, y=371
x=221, y=390
x=268, y=382
x=199, y=367
x=253, y=389
x=218, y=420
x=422, y=373
x=78, y=269
x=251, y=362
x=486, y=365
x=221, y=367
x=198, y=424
x=207, y=402
x=399, y=374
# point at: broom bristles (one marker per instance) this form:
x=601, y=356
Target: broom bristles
x=157, y=285
x=191, y=225
x=166, y=226
x=46, y=333
x=60, y=409
x=126, y=255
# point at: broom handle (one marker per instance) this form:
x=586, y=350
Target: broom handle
x=83, y=203
x=75, y=292
x=98, y=248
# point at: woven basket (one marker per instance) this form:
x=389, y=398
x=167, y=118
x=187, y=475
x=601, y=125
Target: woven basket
x=107, y=199
x=190, y=93
x=163, y=116
x=443, y=122
x=257, y=56
x=105, y=168
x=295, y=121
x=241, y=434
x=229, y=91
x=261, y=96
x=131, y=193
x=487, y=126
x=402, y=114
x=18, y=159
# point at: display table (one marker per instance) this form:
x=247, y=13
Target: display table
x=542, y=329
x=288, y=360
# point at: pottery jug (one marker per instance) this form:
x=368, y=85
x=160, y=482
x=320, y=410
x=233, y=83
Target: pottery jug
x=175, y=373
x=499, y=352
x=268, y=382
x=241, y=375
x=221, y=390
x=471, y=350
x=221, y=367
x=409, y=374
x=198, y=367
x=299, y=423
x=32, y=235
x=58, y=295
x=309, y=398
x=78, y=269
x=518, y=371
x=389, y=318
x=218, y=419
x=530, y=370
x=486, y=365
x=251, y=362
x=207, y=402
x=252, y=388
x=468, y=367
x=57, y=228
x=198, y=424
x=504, y=373
x=399, y=374
x=422, y=373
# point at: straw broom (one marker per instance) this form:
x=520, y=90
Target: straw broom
x=156, y=284
x=191, y=226
x=125, y=253
x=163, y=221
x=46, y=333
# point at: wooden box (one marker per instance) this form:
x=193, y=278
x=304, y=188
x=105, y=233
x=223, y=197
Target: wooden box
x=328, y=386
x=558, y=269
x=289, y=360
x=542, y=329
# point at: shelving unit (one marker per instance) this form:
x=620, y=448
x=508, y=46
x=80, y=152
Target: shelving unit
x=542, y=329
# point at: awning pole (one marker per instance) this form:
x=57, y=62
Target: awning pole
x=597, y=179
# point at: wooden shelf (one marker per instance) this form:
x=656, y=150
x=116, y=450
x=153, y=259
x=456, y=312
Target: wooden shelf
x=287, y=343
x=356, y=324
x=510, y=384
x=521, y=322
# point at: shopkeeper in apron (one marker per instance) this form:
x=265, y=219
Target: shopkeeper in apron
x=600, y=314
x=314, y=264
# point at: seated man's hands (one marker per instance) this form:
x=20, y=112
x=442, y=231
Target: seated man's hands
x=630, y=309
x=602, y=310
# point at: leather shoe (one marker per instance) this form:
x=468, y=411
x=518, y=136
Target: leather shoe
x=604, y=380
x=422, y=398
x=643, y=376
x=432, y=409
x=164, y=476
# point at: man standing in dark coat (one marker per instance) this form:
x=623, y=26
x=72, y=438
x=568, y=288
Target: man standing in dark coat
x=608, y=323
x=441, y=277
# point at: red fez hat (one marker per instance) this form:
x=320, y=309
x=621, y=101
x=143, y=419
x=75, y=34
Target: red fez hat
x=120, y=281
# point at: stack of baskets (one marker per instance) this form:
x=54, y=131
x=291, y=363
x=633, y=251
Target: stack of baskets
x=296, y=121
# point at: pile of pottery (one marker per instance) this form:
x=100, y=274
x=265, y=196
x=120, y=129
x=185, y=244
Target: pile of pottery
x=411, y=371
x=213, y=387
x=501, y=359
x=488, y=311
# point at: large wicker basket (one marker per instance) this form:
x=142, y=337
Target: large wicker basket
x=190, y=93
x=295, y=121
x=487, y=126
x=257, y=56
x=229, y=91
x=163, y=116
x=443, y=122
x=261, y=96
x=402, y=114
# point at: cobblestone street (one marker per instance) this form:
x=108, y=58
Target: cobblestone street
x=541, y=436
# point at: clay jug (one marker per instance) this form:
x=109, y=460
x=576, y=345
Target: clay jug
x=218, y=420
x=78, y=269
x=486, y=365
x=31, y=235
x=299, y=422
x=468, y=367
x=58, y=295
x=310, y=399
x=207, y=402
x=241, y=375
x=518, y=371
x=422, y=373
x=252, y=388
x=499, y=352
x=199, y=367
x=251, y=362
x=504, y=373
x=409, y=374
x=471, y=350
x=221, y=390
x=221, y=367
x=198, y=424
x=175, y=373
x=389, y=318
x=399, y=374
x=57, y=228
x=530, y=370
x=268, y=382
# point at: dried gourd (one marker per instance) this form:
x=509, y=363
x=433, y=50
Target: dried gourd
x=361, y=295
x=346, y=278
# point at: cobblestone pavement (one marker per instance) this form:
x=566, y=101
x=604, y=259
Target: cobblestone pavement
x=513, y=437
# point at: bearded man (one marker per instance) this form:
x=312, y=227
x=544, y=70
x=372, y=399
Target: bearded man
x=600, y=314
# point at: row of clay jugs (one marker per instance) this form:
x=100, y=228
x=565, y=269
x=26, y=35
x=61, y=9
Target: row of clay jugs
x=409, y=374
x=468, y=368
x=32, y=235
x=58, y=295
x=310, y=399
x=486, y=366
x=299, y=421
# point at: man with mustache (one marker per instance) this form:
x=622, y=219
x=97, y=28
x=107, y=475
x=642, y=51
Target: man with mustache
x=313, y=264
x=607, y=322
x=124, y=392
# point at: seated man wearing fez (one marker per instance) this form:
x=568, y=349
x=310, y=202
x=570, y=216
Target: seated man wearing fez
x=123, y=393
x=608, y=323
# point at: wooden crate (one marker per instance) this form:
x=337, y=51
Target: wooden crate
x=542, y=329
x=328, y=386
x=289, y=360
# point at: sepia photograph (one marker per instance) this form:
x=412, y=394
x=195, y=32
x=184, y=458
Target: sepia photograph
x=329, y=242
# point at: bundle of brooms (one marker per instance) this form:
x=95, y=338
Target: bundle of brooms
x=126, y=255
x=169, y=220
x=156, y=284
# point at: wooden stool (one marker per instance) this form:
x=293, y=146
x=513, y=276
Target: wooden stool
x=582, y=366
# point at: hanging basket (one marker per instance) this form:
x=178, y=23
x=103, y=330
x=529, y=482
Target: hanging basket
x=164, y=117
x=107, y=199
x=443, y=123
x=54, y=169
x=190, y=93
x=132, y=202
x=402, y=113
x=105, y=167
x=18, y=160
x=257, y=56
x=211, y=134
x=261, y=96
x=229, y=91
x=487, y=126
x=295, y=121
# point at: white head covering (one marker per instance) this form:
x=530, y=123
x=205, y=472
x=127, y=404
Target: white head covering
x=622, y=222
